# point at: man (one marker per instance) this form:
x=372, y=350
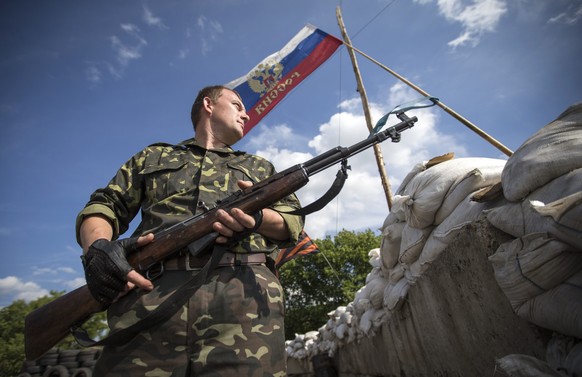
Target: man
x=233, y=324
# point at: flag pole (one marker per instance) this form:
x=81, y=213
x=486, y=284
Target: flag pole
x=365, y=105
x=453, y=113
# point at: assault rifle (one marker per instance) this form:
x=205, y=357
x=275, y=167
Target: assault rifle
x=49, y=324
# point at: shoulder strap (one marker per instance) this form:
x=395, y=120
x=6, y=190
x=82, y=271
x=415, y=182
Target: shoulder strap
x=333, y=191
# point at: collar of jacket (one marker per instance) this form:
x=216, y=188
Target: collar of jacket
x=194, y=143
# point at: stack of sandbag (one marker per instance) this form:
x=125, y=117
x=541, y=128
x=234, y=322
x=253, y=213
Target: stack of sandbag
x=360, y=318
x=299, y=347
x=541, y=270
x=368, y=301
x=431, y=206
x=563, y=358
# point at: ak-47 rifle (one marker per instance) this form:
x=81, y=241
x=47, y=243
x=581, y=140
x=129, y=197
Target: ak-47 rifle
x=49, y=324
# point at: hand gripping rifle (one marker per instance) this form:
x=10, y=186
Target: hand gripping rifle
x=49, y=324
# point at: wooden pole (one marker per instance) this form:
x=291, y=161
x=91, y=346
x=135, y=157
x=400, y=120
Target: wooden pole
x=453, y=113
x=364, y=97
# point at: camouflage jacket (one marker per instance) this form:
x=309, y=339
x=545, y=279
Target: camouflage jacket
x=170, y=183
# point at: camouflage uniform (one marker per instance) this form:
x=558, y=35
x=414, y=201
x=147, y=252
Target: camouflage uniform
x=233, y=325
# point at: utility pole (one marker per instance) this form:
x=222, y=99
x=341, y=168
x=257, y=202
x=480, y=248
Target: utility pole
x=362, y=91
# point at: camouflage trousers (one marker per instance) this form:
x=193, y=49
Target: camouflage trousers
x=232, y=326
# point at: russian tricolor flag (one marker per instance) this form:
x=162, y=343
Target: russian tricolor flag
x=275, y=76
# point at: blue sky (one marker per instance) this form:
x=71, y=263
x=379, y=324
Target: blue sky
x=88, y=84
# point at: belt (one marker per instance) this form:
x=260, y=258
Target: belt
x=189, y=262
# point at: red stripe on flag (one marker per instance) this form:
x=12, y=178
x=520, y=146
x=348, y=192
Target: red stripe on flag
x=325, y=49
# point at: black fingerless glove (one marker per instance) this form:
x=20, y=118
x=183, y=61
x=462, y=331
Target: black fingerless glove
x=106, y=268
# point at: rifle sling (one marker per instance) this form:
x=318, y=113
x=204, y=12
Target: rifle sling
x=331, y=193
x=162, y=313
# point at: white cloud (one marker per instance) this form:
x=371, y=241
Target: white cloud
x=152, y=20
x=477, y=18
x=12, y=288
x=93, y=74
x=570, y=17
x=53, y=271
x=126, y=53
x=362, y=202
x=209, y=32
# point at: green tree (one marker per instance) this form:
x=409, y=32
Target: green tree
x=12, y=332
x=313, y=287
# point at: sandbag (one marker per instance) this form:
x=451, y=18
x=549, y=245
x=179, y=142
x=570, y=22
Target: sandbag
x=395, y=293
x=516, y=365
x=474, y=180
x=559, y=309
x=563, y=218
x=442, y=235
x=531, y=265
x=413, y=240
x=390, y=245
x=527, y=216
x=424, y=195
x=551, y=152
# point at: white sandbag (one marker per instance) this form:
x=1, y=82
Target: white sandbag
x=425, y=193
x=474, y=180
x=515, y=365
x=521, y=218
x=392, y=218
x=377, y=287
x=400, y=205
x=415, y=170
x=559, y=309
x=573, y=363
x=563, y=218
x=551, y=152
x=374, y=256
x=390, y=245
x=362, y=300
x=396, y=273
x=413, y=240
x=564, y=353
x=395, y=293
x=466, y=212
x=375, y=273
x=531, y=265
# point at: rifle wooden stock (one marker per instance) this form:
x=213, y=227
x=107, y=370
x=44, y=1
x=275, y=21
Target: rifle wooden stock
x=46, y=326
x=49, y=324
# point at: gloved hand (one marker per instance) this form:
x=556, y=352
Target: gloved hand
x=106, y=268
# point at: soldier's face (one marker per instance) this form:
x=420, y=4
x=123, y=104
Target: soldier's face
x=229, y=116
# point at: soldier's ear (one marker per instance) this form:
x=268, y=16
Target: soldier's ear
x=208, y=104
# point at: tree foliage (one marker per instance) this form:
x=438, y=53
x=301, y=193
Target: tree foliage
x=12, y=332
x=317, y=284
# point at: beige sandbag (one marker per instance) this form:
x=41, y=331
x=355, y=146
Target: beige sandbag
x=523, y=217
x=559, y=309
x=425, y=193
x=474, y=180
x=395, y=293
x=564, y=218
x=415, y=170
x=531, y=265
x=390, y=245
x=465, y=213
x=413, y=240
x=551, y=152
x=515, y=365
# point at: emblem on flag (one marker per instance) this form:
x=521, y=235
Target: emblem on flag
x=265, y=77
